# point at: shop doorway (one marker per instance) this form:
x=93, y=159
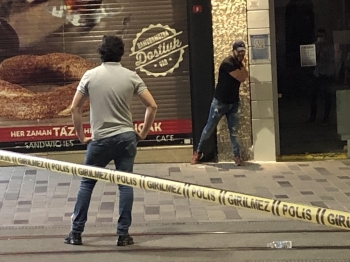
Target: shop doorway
x=308, y=79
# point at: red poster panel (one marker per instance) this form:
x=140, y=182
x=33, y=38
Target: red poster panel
x=65, y=132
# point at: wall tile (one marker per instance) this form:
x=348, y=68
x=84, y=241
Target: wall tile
x=258, y=19
x=260, y=31
x=257, y=4
x=262, y=109
x=261, y=91
x=260, y=73
x=264, y=139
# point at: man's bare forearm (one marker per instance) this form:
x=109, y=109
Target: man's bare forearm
x=77, y=118
x=150, y=115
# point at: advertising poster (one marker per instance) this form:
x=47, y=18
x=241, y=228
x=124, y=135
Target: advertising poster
x=47, y=45
x=260, y=48
x=308, y=55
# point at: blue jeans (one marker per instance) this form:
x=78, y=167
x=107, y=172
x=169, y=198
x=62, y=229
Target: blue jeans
x=122, y=149
x=217, y=111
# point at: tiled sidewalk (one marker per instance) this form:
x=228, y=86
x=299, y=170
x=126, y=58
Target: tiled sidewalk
x=39, y=197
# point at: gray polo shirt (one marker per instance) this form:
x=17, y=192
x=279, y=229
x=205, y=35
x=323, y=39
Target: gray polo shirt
x=110, y=88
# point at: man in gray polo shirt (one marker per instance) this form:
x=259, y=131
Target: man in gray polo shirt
x=110, y=88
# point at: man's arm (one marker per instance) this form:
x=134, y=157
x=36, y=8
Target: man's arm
x=150, y=114
x=77, y=115
x=240, y=74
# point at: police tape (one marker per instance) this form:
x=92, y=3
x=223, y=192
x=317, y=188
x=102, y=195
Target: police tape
x=318, y=215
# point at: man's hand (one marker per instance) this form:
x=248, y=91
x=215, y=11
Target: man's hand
x=139, y=136
x=85, y=140
x=244, y=61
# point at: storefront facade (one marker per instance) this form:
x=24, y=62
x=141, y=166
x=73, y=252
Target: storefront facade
x=252, y=21
x=156, y=47
x=175, y=46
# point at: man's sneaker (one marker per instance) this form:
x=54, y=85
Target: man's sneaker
x=125, y=240
x=197, y=156
x=73, y=239
x=238, y=160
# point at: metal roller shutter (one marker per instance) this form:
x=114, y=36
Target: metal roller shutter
x=156, y=47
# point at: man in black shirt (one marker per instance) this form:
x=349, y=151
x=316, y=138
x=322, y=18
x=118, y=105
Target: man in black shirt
x=232, y=73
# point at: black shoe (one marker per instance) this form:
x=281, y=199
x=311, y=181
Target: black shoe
x=125, y=240
x=73, y=239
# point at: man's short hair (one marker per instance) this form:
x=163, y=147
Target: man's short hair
x=111, y=49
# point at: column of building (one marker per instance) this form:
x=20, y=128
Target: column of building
x=263, y=81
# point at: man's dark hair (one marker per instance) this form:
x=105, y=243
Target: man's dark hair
x=111, y=49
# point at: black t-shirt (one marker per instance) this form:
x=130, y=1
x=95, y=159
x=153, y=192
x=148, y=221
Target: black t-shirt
x=227, y=89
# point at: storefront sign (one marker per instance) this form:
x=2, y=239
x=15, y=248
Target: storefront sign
x=158, y=50
x=308, y=55
x=41, y=133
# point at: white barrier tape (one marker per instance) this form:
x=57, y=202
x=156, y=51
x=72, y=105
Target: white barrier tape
x=318, y=215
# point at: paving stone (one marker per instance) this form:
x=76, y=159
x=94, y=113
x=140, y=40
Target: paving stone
x=109, y=193
x=104, y=220
x=281, y=196
x=20, y=222
x=327, y=198
x=16, y=177
x=55, y=219
x=343, y=177
x=319, y=204
x=284, y=184
x=63, y=184
x=60, y=196
x=331, y=189
x=24, y=202
x=40, y=189
x=233, y=214
x=305, y=193
x=165, y=202
x=151, y=210
x=294, y=167
x=211, y=169
x=174, y=169
x=11, y=196
x=107, y=206
x=31, y=172
x=305, y=178
x=323, y=171
x=216, y=180
x=23, y=210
